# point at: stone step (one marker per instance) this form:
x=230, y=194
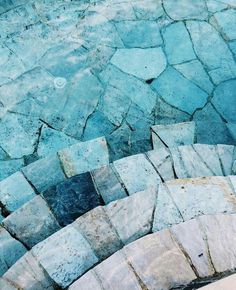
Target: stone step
x=223, y=284
x=104, y=230
x=191, y=251
x=61, y=204
x=170, y=259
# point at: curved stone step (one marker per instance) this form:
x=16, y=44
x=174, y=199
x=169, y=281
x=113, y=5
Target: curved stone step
x=225, y=284
x=169, y=259
x=61, y=204
x=22, y=186
x=104, y=230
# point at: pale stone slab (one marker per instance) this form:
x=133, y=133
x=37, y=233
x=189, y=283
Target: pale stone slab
x=175, y=134
x=137, y=173
x=6, y=285
x=166, y=213
x=15, y=191
x=179, y=167
x=107, y=183
x=191, y=238
x=72, y=255
x=220, y=233
x=116, y=274
x=227, y=156
x=98, y=230
x=225, y=284
x=209, y=156
x=162, y=161
x=84, y=156
x=132, y=216
x=87, y=282
x=158, y=261
x=209, y=195
x=193, y=163
x=28, y=274
x=145, y=64
x=32, y=223
x=10, y=250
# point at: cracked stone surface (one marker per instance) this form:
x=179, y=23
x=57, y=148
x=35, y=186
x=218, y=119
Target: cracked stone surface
x=74, y=72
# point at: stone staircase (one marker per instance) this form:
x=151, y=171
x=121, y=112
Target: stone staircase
x=117, y=144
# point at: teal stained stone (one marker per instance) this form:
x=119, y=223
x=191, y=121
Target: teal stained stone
x=224, y=100
x=10, y=250
x=215, y=5
x=44, y=172
x=143, y=63
x=232, y=46
x=186, y=9
x=225, y=21
x=177, y=43
x=15, y=191
x=131, y=87
x=52, y=140
x=148, y=10
x=84, y=156
x=219, y=62
x=195, y=72
x=9, y=167
x=74, y=256
x=140, y=34
x=179, y=92
x=65, y=60
x=32, y=223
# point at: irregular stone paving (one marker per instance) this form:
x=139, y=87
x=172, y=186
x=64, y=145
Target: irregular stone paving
x=78, y=70
x=198, y=246
x=32, y=220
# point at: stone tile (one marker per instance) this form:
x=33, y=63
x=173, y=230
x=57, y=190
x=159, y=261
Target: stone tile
x=188, y=163
x=44, y=172
x=162, y=161
x=191, y=238
x=32, y=223
x=9, y=167
x=132, y=216
x=11, y=250
x=72, y=256
x=52, y=140
x=174, y=134
x=184, y=9
x=227, y=110
x=15, y=191
x=220, y=234
x=224, y=20
x=199, y=196
x=214, y=5
x=154, y=259
x=71, y=198
x=166, y=212
x=6, y=285
x=137, y=173
x=84, y=156
x=232, y=180
x=87, y=282
x=115, y=274
x=219, y=62
x=140, y=34
x=178, y=49
x=145, y=64
x=131, y=87
x=108, y=184
x=98, y=230
x=209, y=155
x=176, y=91
x=195, y=72
x=224, y=283
x=28, y=274
x=150, y=10
x=227, y=157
